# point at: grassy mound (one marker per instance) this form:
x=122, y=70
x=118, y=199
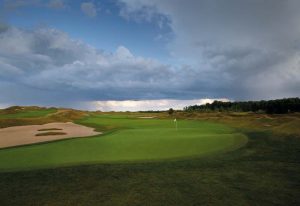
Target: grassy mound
x=19, y=116
x=25, y=112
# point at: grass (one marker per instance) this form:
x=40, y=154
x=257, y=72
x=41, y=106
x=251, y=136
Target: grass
x=28, y=114
x=132, y=140
x=263, y=172
x=36, y=116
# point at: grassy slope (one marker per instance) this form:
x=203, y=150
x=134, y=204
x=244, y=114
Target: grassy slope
x=285, y=124
x=264, y=172
x=35, y=116
x=28, y=114
x=138, y=139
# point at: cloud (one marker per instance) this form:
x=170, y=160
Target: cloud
x=56, y=4
x=227, y=53
x=249, y=48
x=47, y=66
x=3, y=106
x=15, y=4
x=89, y=9
x=147, y=105
x=11, y=5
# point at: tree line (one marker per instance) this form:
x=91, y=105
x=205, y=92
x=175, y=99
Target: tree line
x=278, y=106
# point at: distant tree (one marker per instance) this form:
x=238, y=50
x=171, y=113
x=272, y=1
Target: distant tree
x=278, y=106
x=170, y=111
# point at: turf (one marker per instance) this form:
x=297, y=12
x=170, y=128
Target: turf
x=264, y=172
x=130, y=139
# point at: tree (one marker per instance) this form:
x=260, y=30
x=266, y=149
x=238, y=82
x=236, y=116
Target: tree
x=170, y=111
x=278, y=106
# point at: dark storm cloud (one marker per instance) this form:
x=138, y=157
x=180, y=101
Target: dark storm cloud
x=249, y=49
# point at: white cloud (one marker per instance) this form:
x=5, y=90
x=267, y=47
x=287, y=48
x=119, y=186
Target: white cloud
x=123, y=53
x=89, y=9
x=146, y=105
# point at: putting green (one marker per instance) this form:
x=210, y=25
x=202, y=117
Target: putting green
x=132, y=140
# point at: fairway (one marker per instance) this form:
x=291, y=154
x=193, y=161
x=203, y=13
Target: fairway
x=126, y=139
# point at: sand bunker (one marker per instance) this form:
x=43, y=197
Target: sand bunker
x=21, y=135
x=146, y=117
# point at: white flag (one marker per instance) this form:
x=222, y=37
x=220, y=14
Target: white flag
x=175, y=120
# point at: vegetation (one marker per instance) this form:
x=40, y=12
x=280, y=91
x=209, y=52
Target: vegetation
x=18, y=116
x=279, y=106
x=23, y=112
x=170, y=111
x=263, y=172
x=132, y=139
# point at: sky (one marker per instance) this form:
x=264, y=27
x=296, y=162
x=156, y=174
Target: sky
x=147, y=55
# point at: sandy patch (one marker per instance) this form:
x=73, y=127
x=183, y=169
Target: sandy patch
x=21, y=135
x=146, y=117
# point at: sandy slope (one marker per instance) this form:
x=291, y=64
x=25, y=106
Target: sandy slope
x=20, y=135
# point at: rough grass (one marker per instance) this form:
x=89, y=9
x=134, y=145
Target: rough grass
x=283, y=124
x=50, y=133
x=27, y=113
x=61, y=115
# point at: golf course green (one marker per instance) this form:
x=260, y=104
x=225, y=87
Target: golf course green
x=126, y=139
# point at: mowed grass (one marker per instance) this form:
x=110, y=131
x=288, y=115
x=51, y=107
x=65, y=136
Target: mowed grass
x=128, y=139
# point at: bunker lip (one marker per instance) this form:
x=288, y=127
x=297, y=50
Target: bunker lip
x=23, y=135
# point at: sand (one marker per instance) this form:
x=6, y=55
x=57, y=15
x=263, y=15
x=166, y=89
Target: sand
x=146, y=117
x=22, y=135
